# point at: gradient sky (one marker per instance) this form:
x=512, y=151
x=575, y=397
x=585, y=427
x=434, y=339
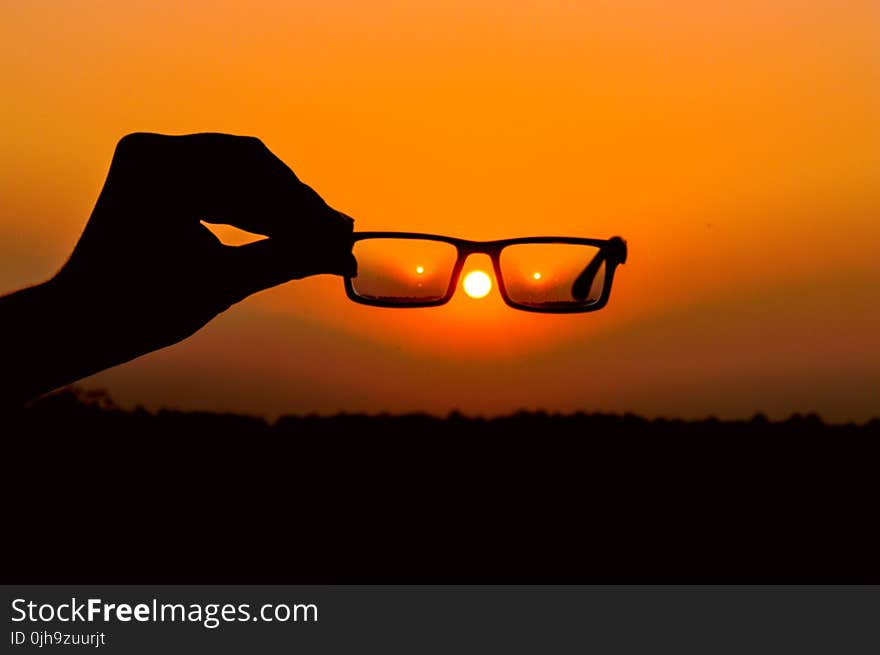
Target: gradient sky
x=735, y=145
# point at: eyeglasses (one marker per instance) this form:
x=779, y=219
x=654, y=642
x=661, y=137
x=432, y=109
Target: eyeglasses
x=535, y=274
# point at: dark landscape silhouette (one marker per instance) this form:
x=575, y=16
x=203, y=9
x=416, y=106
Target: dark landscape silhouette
x=96, y=413
x=105, y=494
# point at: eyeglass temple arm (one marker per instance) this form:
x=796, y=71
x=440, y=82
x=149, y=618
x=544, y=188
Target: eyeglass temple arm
x=614, y=251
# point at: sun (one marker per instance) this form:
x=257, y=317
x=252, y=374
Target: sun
x=477, y=284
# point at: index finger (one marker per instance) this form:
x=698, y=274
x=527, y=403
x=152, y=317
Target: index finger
x=222, y=178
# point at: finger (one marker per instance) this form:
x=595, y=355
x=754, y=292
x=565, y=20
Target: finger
x=239, y=181
x=269, y=262
x=221, y=178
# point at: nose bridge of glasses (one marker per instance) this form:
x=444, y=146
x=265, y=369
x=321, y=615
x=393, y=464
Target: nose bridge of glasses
x=472, y=260
x=477, y=262
x=468, y=248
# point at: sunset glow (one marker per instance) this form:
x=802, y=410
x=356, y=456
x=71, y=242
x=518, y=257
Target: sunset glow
x=734, y=145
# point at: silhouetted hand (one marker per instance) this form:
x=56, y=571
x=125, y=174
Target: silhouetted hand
x=146, y=273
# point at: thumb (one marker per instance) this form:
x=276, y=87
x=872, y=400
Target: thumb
x=273, y=261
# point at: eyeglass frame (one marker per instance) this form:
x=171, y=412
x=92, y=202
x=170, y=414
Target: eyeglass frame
x=612, y=252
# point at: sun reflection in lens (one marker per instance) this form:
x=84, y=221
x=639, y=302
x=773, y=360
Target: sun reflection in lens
x=477, y=284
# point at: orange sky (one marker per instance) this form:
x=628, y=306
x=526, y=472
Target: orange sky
x=735, y=145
